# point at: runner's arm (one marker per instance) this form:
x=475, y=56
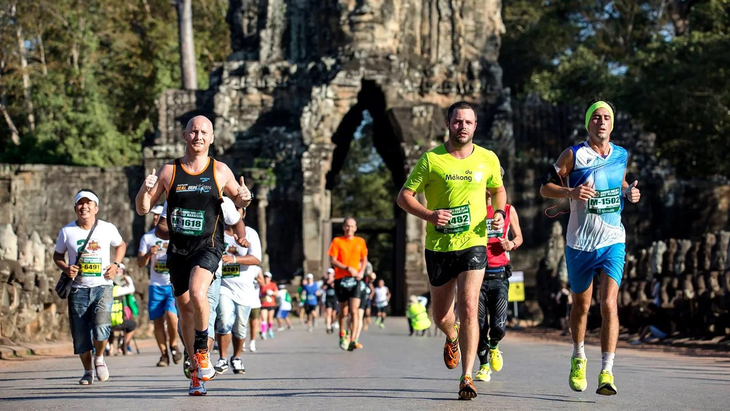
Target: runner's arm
x=231, y=186
x=549, y=187
x=514, y=224
x=146, y=196
x=407, y=201
x=161, y=230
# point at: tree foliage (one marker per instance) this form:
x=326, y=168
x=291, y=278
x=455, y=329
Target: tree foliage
x=662, y=61
x=96, y=68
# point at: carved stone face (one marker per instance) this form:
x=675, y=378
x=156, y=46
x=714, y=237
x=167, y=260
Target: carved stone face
x=372, y=25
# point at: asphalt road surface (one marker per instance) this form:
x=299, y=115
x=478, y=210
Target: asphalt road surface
x=308, y=371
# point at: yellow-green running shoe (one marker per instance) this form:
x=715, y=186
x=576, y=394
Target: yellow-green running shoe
x=577, y=380
x=495, y=359
x=605, y=384
x=484, y=373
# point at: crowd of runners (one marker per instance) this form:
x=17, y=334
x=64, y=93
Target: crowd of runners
x=208, y=289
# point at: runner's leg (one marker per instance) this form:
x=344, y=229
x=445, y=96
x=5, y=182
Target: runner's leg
x=469, y=283
x=443, y=308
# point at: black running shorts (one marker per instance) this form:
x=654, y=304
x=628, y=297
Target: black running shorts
x=349, y=287
x=180, y=267
x=331, y=302
x=442, y=267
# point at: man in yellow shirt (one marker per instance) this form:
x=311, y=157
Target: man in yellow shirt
x=455, y=177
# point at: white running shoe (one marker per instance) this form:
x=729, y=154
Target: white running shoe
x=237, y=366
x=252, y=346
x=221, y=366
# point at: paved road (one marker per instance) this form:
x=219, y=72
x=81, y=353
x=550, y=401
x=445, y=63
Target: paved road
x=303, y=371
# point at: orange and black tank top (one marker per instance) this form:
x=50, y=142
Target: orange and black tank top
x=194, y=214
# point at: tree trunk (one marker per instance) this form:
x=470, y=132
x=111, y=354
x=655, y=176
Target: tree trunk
x=187, y=48
x=42, y=51
x=23, y=68
x=14, y=135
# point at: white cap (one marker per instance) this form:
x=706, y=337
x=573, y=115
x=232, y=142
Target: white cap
x=268, y=274
x=86, y=194
x=330, y=270
x=157, y=209
x=310, y=275
x=230, y=214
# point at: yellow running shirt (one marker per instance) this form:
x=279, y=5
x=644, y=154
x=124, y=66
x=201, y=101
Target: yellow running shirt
x=459, y=185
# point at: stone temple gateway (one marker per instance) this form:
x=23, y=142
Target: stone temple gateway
x=287, y=102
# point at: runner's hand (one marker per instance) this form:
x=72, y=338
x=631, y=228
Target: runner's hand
x=243, y=191
x=227, y=259
x=353, y=272
x=632, y=193
x=151, y=181
x=439, y=217
x=241, y=241
x=73, y=271
x=497, y=221
x=583, y=192
x=153, y=250
x=506, y=244
x=110, y=271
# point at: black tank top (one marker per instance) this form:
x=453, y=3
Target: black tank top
x=194, y=211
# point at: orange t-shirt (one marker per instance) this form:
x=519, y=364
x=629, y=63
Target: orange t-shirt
x=348, y=252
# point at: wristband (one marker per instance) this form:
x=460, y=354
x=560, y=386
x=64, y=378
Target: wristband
x=504, y=215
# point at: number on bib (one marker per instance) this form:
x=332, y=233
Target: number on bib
x=460, y=221
x=90, y=266
x=607, y=201
x=188, y=222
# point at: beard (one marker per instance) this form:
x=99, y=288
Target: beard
x=457, y=139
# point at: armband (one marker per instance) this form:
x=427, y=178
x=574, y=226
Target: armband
x=552, y=176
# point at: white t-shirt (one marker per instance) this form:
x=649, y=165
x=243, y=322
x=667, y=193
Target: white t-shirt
x=256, y=289
x=159, y=276
x=238, y=279
x=381, y=295
x=97, y=255
x=284, y=300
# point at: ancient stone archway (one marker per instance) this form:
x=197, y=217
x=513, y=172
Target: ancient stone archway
x=300, y=73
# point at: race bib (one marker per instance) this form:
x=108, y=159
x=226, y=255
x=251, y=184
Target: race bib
x=161, y=267
x=348, y=282
x=231, y=270
x=493, y=233
x=607, y=201
x=188, y=222
x=460, y=220
x=90, y=266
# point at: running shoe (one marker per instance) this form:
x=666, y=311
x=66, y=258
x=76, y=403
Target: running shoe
x=164, y=360
x=87, y=379
x=252, y=346
x=187, y=365
x=221, y=366
x=358, y=345
x=495, y=359
x=452, y=356
x=237, y=365
x=467, y=391
x=280, y=329
x=381, y=325
x=271, y=333
x=262, y=335
x=343, y=343
x=176, y=355
x=605, y=383
x=197, y=387
x=102, y=372
x=577, y=380
x=205, y=369
x=484, y=373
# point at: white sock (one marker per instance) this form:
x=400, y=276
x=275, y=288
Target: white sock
x=579, y=350
x=99, y=360
x=607, y=361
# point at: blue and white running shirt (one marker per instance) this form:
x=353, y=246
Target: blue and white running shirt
x=596, y=223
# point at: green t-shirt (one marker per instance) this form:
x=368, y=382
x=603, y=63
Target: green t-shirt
x=459, y=185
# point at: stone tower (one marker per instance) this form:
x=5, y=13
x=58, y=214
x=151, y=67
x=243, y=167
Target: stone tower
x=287, y=102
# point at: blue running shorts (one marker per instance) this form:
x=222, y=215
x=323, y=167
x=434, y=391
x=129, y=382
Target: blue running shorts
x=161, y=299
x=583, y=265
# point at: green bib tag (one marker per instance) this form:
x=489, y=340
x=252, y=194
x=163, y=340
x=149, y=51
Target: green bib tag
x=188, y=222
x=460, y=220
x=231, y=270
x=161, y=267
x=607, y=201
x=90, y=266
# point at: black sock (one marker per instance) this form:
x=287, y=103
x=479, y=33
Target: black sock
x=201, y=340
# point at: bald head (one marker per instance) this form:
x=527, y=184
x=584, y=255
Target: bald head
x=199, y=121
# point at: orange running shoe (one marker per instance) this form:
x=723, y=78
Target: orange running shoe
x=467, y=390
x=197, y=388
x=452, y=355
x=205, y=368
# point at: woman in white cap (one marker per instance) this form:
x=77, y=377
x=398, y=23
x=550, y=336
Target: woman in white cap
x=92, y=270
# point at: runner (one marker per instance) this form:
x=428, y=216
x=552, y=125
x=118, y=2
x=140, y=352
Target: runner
x=194, y=185
x=236, y=298
x=254, y=320
x=268, y=294
x=455, y=177
x=311, y=302
x=494, y=293
x=92, y=271
x=282, y=313
x=349, y=256
x=382, y=298
x=595, y=182
x=366, y=303
x=330, y=302
x=161, y=301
